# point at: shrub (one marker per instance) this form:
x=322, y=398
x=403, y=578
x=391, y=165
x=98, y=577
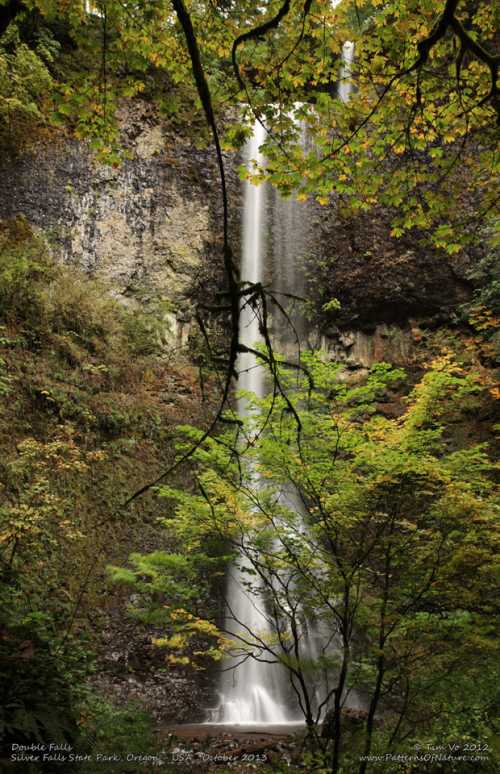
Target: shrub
x=82, y=308
x=147, y=330
x=107, y=730
x=24, y=268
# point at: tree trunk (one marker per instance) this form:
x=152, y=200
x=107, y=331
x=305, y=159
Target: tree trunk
x=371, y=713
x=337, y=707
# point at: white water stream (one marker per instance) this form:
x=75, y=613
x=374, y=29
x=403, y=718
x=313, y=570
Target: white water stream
x=345, y=76
x=252, y=691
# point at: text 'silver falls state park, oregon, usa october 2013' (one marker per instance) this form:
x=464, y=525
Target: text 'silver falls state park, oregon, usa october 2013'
x=249, y=346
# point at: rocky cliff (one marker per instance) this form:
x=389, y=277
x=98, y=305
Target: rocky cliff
x=151, y=229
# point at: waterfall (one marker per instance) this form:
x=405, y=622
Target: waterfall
x=345, y=79
x=290, y=234
x=252, y=691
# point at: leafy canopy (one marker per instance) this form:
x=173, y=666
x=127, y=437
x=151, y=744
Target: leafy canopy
x=417, y=135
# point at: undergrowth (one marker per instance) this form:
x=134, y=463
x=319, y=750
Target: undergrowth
x=89, y=402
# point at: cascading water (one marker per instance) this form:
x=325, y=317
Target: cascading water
x=345, y=75
x=254, y=692
x=290, y=234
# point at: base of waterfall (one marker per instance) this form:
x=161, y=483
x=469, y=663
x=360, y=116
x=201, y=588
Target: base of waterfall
x=253, y=707
x=253, y=724
x=206, y=747
x=208, y=729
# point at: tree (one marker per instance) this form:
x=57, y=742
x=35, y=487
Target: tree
x=43, y=663
x=388, y=544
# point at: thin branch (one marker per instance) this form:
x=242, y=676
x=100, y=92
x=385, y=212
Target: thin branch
x=255, y=33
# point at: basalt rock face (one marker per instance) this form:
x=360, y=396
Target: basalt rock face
x=379, y=278
x=150, y=228
x=388, y=288
x=358, y=350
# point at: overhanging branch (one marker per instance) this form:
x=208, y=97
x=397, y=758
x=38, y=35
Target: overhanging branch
x=448, y=20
